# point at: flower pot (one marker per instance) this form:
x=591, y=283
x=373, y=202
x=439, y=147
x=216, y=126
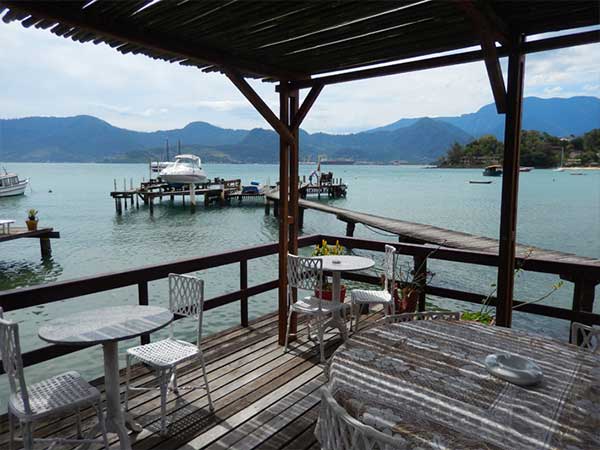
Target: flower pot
x=328, y=294
x=409, y=301
x=31, y=225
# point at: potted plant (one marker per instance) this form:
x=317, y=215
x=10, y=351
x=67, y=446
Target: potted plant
x=32, y=220
x=329, y=250
x=408, y=288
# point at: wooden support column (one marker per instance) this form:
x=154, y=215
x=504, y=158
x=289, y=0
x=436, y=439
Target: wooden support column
x=283, y=215
x=294, y=178
x=45, y=247
x=243, y=289
x=510, y=184
x=143, y=301
x=350, y=226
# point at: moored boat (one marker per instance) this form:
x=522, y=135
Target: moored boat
x=494, y=170
x=525, y=169
x=11, y=185
x=187, y=169
x=479, y=182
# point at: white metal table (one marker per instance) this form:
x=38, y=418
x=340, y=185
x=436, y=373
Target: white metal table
x=108, y=326
x=336, y=265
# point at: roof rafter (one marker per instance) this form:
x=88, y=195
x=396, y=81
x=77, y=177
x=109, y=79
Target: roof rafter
x=108, y=29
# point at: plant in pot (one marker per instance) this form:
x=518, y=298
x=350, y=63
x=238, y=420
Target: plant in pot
x=324, y=249
x=408, y=287
x=32, y=220
x=486, y=313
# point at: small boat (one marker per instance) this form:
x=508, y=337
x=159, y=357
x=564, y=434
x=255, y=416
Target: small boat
x=187, y=169
x=493, y=171
x=577, y=173
x=10, y=184
x=525, y=169
x=480, y=182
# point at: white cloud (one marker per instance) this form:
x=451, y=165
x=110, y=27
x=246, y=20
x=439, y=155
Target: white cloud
x=43, y=74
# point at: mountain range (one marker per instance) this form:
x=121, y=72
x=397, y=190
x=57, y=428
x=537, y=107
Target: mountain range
x=419, y=140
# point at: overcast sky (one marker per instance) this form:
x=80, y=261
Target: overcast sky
x=45, y=75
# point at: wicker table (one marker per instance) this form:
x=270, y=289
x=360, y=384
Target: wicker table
x=107, y=326
x=425, y=383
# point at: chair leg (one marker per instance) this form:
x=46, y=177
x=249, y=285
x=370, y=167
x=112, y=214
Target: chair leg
x=358, y=308
x=210, y=403
x=102, y=422
x=78, y=416
x=28, y=436
x=287, y=330
x=352, y=314
x=127, y=380
x=164, y=385
x=11, y=430
x=321, y=331
x=308, y=327
x=173, y=381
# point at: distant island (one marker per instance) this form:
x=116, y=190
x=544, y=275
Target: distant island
x=420, y=140
x=538, y=149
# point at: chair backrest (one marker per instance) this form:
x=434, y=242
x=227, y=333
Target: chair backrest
x=586, y=337
x=304, y=273
x=338, y=429
x=186, y=298
x=429, y=315
x=10, y=348
x=389, y=268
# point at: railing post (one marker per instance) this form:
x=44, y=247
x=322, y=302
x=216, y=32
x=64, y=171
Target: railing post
x=583, y=297
x=420, y=275
x=143, y=301
x=244, y=296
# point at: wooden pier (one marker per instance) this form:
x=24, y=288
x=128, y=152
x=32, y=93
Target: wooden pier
x=217, y=191
x=43, y=234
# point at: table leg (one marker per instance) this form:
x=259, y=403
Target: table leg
x=115, y=418
x=337, y=320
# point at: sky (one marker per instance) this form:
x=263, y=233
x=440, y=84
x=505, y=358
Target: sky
x=45, y=75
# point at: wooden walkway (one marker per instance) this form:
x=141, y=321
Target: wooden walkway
x=264, y=399
x=422, y=233
x=43, y=234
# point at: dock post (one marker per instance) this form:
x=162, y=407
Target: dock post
x=125, y=201
x=119, y=206
x=183, y=199
x=206, y=200
x=267, y=206
x=115, y=181
x=222, y=197
x=151, y=204
x=137, y=202
x=192, y=197
x=276, y=208
x=45, y=247
x=350, y=226
x=301, y=217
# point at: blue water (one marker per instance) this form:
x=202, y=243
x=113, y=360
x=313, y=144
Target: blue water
x=556, y=211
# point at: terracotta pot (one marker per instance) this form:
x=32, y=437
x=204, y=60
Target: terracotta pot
x=409, y=301
x=328, y=295
x=31, y=225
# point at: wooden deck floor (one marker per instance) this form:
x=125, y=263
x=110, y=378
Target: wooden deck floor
x=263, y=398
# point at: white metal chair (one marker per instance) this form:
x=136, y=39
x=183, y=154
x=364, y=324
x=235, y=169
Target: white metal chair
x=429, y=315
x=384, y=297
x=590, y=337
x=60, y=395
x=186, y=298
x=338, y=430
x=307, y=274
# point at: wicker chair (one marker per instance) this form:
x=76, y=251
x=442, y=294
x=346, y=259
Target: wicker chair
x=337, y=430
x=186, y=298
x=430, y=315
x=590, y=337
x=60, y=395
x=385, y=297
x=307, y=274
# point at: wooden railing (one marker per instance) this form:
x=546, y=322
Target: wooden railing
x=585, y=277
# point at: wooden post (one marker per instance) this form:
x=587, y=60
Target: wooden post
x=283, y=214
x=350, y=226
x=192, y=197
x=276, y=207
x=420, y=274
x=45, y=247
x=267, y=207
x=137, y=202
x=583, y=297
x=244, y=296
x=151, y=204
x=294, y=210
x=300, y=218
x=510, y=184
x=143, y=301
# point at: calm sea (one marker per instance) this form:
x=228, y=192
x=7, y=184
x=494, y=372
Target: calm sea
x=556, y=211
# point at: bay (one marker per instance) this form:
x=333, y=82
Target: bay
x=556, y=211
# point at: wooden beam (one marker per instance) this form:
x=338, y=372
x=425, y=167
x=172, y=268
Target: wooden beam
x=264, y=110
x=485, y=19
x=308, y=102
x=487, y=35
x=541, y=45
x=107, y=28
x=510, y=185
x=284, y=146
x=294, y=211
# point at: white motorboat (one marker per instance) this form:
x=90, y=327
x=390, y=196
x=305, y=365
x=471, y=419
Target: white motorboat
x=10, y=184
x=187, y=169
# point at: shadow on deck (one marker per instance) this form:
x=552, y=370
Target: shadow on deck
x=263, y=398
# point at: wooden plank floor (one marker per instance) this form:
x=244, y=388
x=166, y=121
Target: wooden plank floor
x=263, y=398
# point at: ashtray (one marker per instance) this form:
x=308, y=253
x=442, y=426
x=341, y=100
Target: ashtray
x=514, y=369
x=336, y=261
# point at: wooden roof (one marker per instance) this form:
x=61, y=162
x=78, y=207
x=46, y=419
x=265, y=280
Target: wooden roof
x=294, y=39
